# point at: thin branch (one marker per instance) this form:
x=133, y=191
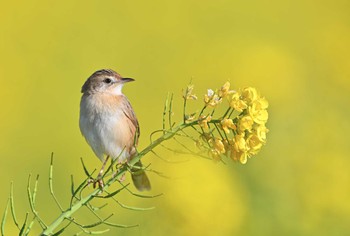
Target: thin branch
x=141, y=195
x=227, y=111
x=132, y=208
x=4, y=216
x=91, y=232
x=24, y=225
x=205, y=106
x=13, y=207
x=35, y=189
x=32, y=205
x=154, y=132
x=217, y=128
x=72, y=185
x=51, y=184
x=97, y=208
x=85, y=169
x=164, y=112
x=30, y=226
x=171, y=111
x=113, y=193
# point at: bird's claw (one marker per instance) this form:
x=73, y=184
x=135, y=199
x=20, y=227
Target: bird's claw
x=96, y=182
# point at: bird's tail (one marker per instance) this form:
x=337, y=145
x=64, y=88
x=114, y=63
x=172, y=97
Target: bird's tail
x=140, y=178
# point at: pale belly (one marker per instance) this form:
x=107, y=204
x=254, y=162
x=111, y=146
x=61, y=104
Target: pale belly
x=107, y=133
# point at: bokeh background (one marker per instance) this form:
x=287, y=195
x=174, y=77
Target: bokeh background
x=297, y=53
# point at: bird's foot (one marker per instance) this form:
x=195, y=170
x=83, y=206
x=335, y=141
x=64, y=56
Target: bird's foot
x=96, y=182
x=99, y=182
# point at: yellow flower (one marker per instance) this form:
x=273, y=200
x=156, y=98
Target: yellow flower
x=225, y=90
x=237, y=103
x=249, y=94
x=203, y=121
x=240, y=143
x=261, y=131
x=215, y=155
x=258, y=111
x=263, y=103
x=190, y=117
x=219, y=146
x=242, y=157
x=254, y=144
x=245, y=123
x=188, y=95
x=227, y=124
x=211, y=99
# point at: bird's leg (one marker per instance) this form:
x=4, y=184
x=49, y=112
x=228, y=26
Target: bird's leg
x=115, y=173
x=99, y=179
x=103, y=167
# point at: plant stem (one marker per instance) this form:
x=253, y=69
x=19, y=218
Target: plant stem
x=67, y=214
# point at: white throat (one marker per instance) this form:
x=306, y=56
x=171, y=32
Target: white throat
x=118, y=89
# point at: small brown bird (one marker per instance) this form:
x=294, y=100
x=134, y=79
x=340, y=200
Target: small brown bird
x=108, y=122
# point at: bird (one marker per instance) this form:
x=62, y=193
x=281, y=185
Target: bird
x=109, y=124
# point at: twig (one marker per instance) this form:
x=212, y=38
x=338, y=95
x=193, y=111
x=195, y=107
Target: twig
x=32, y=205
x=51, y=184
x=3, y=221
x=12, y=204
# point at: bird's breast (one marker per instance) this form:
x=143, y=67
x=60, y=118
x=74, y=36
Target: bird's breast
x=105, y=126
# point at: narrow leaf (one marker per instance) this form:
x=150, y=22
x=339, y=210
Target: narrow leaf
x=35, y=189
x=164, y=112
x=120, y=226
x=30, y=197
x=114, y=193
x=31, y=203
x=13, y=207
x=3, y=222
x=24, y=225
x=51, y=185
x=80, y=187
x=30, y=226
x=96, y=232
x=92, y=225
x=72, y=185
x=97, y=208
x=84, y=167
x=133, y=208
x=171, y=110
x=142, y=196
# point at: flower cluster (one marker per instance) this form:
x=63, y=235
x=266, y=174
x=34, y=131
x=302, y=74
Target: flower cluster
x=240, y=132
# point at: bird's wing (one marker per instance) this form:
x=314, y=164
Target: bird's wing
x=129, y=113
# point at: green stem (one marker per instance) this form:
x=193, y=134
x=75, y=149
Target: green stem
x=67, y=214
x=184, y=110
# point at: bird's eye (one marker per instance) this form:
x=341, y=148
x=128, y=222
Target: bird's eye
x=107, y=81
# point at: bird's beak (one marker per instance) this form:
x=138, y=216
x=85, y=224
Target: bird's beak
x=126, y=80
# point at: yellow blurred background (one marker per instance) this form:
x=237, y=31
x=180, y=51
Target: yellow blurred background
x=297, y=53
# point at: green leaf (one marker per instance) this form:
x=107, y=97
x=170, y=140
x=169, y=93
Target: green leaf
x=13, y=207
x=3, y=222
x=24, y=225
x=85, y=169
x=112, y=194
